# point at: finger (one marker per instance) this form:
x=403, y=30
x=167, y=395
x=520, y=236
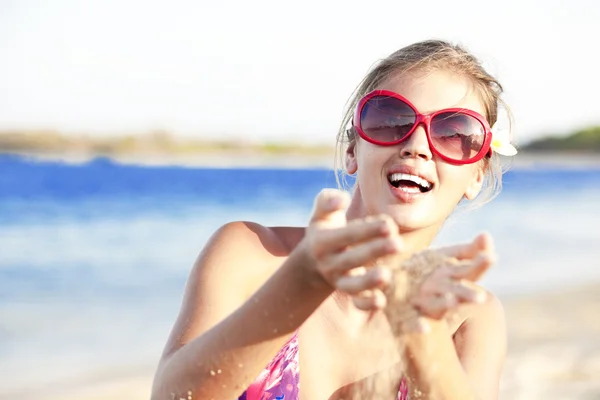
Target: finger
x=440, y=279
x=435, y=307
x=336, y=239
x=466, y=291
x=482, y=243
x=363, y=254
x=472, y=270
x=370, y=300
x=328, y=203
x=485, y=242
x=376, y=277
x=371, y=218
x=416, y=325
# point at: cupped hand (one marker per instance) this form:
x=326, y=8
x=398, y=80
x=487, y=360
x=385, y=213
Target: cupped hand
x=343, y=254
x=433, y=283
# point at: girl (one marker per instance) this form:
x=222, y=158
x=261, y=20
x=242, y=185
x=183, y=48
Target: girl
x=268, y=311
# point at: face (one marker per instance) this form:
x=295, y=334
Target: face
x=380, y=187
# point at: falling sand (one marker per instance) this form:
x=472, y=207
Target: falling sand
x=403, y=318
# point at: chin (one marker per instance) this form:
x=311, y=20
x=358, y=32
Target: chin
x=410, y=220
x=408, y=225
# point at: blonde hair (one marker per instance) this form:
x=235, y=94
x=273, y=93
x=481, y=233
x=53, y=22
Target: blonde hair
x=423, y=57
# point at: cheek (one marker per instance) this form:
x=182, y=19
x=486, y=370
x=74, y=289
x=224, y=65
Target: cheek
x=457, y=178
x=366, y=156
x=370, y=162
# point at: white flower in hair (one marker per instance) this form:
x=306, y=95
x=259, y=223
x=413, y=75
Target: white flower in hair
x=501, y=142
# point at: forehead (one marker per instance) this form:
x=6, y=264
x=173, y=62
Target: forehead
x=436, y=90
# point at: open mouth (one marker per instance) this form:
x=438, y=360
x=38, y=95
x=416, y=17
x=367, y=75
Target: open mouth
x=410, y=183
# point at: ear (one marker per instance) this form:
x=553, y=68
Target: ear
x=351, y=163
x=476, y=183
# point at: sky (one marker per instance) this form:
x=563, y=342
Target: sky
x=268, y=70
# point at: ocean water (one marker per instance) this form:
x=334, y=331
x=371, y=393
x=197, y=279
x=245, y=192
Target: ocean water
x=94, y=257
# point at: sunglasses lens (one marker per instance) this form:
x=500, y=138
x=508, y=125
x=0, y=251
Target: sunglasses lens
x=386, y=119
x=456, y=135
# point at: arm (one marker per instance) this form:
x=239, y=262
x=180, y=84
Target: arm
x=222, y=339
x=468, y=367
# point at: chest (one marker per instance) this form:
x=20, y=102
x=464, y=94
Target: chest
x=339, y=361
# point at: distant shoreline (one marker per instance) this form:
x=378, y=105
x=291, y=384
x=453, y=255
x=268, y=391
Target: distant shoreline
x=258, y=159
x=162, y=148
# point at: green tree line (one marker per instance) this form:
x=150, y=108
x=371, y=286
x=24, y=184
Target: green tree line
x=585, y=140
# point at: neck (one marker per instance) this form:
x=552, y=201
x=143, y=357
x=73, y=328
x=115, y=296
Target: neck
x=342, y=316
x=415, y=240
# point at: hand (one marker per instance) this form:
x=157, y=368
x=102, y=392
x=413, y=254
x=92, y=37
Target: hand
x=434, y=282
x=341, y=253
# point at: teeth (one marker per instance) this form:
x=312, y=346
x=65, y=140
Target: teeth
x=413, y=178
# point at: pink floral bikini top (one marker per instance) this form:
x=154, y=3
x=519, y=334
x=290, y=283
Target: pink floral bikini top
x=280, y=380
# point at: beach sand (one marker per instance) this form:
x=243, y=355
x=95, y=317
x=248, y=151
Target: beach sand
x=553, y=353
x=553, y=346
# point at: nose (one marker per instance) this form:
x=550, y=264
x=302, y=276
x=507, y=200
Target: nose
x=416, y=145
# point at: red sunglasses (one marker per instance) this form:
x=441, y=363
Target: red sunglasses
x=456, y=135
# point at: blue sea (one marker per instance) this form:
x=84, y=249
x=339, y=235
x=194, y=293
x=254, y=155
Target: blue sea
x=94, y=257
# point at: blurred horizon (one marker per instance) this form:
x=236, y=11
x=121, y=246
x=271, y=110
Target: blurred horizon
x=584, y=141
x=263, y=72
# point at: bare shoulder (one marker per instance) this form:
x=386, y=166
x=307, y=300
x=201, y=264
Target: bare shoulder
x=245, y=252
x=252, y=239
x=473, y=318
x=248, y=236
x=237, y=259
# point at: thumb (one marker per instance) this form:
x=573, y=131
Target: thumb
x=330, y=206
x=482, y=243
